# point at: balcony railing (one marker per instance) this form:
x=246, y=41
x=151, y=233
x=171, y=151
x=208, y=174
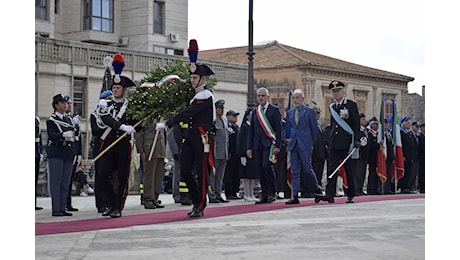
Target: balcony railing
x=51, y=50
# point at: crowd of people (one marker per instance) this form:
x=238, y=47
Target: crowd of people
x=213, y=155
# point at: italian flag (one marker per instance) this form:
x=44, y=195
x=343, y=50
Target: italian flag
x=382, y=152
x=398, y=164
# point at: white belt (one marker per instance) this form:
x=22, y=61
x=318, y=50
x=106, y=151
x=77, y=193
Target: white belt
x=37, y=140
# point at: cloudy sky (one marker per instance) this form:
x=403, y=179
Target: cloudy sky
x=387, y=35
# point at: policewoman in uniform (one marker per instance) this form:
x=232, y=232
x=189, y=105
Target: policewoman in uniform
x=115, y=163
x=60, y=155
x=197, y=149
x=344, y=136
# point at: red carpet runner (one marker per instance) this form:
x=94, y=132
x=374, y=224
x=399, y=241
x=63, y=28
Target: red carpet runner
x=181, y=215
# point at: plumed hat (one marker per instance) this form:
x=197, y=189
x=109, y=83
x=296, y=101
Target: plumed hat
x=195, y=68
x=335, y=84
x=118, y=64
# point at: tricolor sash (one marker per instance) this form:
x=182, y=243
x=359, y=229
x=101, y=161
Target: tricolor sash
x=268, y=131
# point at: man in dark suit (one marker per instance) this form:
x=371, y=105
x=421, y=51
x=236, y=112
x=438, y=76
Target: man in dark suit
x=344, y=137
x=303, y=129
x=264, y=142
x=409, y=147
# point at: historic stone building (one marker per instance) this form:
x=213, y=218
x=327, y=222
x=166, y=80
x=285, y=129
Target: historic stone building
x=283, y=68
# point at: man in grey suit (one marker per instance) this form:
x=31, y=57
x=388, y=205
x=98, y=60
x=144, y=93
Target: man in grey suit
x=301, y=132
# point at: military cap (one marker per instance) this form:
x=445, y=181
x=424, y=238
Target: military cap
x=232, y=113
x=335, y=84
x=105, y=94
x=56, y=99
x=220, y=103
x=373, y=120
x=415, y=123
x=200, y=69
x=405, y=119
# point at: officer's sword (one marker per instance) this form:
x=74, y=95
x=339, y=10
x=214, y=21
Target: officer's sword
x=342, y=163
x=114, y=143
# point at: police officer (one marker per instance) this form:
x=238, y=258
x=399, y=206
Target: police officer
x=344, y=137
x=198, y=145
x=115, y=162
x=60, y=155
x=76, y=146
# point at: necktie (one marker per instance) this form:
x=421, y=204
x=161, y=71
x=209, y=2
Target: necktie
x=67, y=119
x=296, y=116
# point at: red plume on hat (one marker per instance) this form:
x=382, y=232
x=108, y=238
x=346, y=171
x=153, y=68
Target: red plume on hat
x=118, y=64
x=193, y=54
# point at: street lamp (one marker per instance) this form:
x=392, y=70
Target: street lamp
x=250, y=53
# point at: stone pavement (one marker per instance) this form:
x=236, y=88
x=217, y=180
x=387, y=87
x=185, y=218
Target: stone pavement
x=389, y=229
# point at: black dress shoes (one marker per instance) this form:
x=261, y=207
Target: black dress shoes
x=107, y=211
x=116, y=213
x=192, y=210
x=293, y=201
x=158, y=205
x=262, y=200
x=61, y=214
x=214, y=200
x=149, y=205
x=70, y=208
x=233, y=197
x=220, y=199
x=271, y=199
x=38, y=208
x=350, y=200
x=196, y=213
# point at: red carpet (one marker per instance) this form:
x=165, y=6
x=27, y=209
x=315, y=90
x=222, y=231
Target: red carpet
x=181, y=215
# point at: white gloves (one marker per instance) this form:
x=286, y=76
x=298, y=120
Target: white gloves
x=42, y=158
x=67, y=134
x=78, y=159
x=363, y=141
x=160, y=126
x=102, y=103
x=243, y=161
x=76, y=120
x=127, y=128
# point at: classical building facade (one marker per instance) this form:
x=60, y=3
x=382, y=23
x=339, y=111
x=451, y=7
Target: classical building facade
x=283, y=68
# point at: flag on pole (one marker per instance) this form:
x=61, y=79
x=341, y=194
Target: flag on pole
x=398, y=164
x=381, y=140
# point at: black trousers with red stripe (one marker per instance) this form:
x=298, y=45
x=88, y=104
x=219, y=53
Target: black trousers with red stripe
x=114, y=168
x=194, y=168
